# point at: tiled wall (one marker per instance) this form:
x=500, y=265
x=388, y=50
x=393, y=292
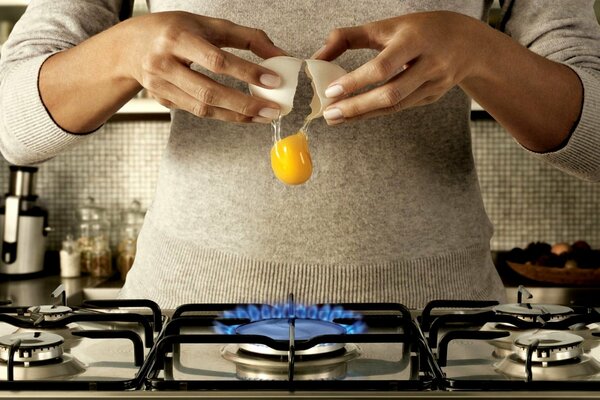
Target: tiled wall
x=527, y=200
x=115, y=167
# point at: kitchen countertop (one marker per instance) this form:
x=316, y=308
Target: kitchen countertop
x=36, y=290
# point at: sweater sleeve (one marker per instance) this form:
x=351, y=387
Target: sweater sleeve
x=567, y=31
x=28, y=134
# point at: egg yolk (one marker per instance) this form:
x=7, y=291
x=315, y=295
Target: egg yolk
x=290, y=159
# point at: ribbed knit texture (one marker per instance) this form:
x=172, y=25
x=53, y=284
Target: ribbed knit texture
x=214, y=276
x=393, y=210
x=580, y=156
x=34, y=136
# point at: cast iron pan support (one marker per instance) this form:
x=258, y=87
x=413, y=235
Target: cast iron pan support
x=138, y=346
x=133, y=303
x=292, y=343
x=453, y=335
x=426, y=318
x=10, y=373
x=530, y=350
x=478, y=319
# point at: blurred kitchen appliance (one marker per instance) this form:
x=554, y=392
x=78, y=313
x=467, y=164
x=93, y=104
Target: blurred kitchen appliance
x=23, y=225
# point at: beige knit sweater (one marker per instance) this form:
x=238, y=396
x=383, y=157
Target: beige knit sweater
x=393, y=211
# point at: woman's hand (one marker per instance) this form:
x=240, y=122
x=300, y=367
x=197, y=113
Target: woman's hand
x=422, y=56
x=155, y=51
x=167, y=43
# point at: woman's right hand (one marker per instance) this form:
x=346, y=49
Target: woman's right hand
x=166, y=44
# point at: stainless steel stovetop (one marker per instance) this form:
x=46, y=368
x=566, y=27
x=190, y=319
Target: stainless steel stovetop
x=131, y=348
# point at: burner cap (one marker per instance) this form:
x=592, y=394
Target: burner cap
x=35, y=346
x=279, y=329
x=257, y=367
x=50, y=313
x=530, y=312
x=553, y=346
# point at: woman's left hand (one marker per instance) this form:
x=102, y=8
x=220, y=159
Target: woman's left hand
x=422, y=56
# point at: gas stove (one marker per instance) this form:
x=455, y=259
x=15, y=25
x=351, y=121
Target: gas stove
x=132, y=348
x=100, y=345
x=520, y=346
x=290, y=347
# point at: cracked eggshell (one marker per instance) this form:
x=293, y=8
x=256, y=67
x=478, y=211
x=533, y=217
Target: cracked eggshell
x=321, y=74
x=287, y=68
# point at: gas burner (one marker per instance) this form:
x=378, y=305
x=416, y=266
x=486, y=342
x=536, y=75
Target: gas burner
x=48, y=313
x=34, y=346
x=531, y=312
x=557, y=355
x=552, y=346
x=39, y=356
x=330, y=366
x=279, y=328
x=66, y=332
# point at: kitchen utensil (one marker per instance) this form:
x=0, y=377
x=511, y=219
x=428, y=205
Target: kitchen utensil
x=23, y=225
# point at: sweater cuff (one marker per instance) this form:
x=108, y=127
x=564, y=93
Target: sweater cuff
x=580, y=156
x=26, y=118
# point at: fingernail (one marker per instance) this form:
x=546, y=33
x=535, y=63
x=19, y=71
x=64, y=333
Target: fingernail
x=261, y=120
x=334, y=91
x=333, y=114
x=335, y=121
x=318, y=52
x=270, y=113
x=270, y=80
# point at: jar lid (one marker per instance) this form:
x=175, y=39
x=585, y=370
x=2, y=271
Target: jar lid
x=69, y=244
x=90, y=211
x=134, y=215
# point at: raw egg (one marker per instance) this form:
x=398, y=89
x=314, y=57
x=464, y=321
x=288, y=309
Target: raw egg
x=290, y=156
x=290, y=159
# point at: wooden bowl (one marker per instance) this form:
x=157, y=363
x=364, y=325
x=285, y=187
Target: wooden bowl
x=565, y=276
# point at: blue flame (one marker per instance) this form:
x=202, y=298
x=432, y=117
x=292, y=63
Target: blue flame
x=326, y=312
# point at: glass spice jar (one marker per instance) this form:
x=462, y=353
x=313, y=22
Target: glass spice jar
x=126, y=256
x=131, y=222
x=93, y=229
x=70, y=258
x=100, y=261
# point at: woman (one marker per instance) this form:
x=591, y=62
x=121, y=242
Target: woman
x=393, y=210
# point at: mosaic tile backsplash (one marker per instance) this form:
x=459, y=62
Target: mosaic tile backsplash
x=525, y=199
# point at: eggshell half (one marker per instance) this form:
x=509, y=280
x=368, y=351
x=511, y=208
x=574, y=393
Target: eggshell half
x=287, y=68
x=321, y=74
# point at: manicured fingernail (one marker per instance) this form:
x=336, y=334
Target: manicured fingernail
x=270, y=113
x=318, y=52
x=335, y=121
x=261, y=120
x=270, y=80
x=333, y=114
x=334, y=91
